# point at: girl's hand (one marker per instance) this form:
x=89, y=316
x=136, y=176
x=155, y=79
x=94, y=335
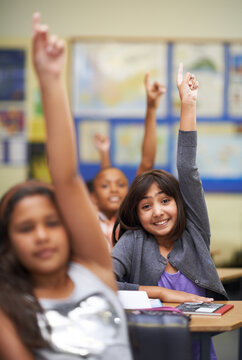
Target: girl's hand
x=153, y=92
x=187, y=86
x=101, y=142
x=48, y=52
x=182, y=296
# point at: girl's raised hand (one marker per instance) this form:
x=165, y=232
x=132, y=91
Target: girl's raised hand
x=101, y=142
x=187, y=86
x=153, y=92
x=48, y=51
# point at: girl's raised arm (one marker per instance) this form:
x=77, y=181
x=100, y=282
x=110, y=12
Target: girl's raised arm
x=189, y=177
x=87, y=240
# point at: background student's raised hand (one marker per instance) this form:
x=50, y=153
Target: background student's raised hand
x=101, y=142
x=48, y=51
x=153, y=92
x=187, y=86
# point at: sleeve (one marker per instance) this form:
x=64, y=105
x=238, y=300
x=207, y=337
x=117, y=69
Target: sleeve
x=122, y=255
x=190, y=182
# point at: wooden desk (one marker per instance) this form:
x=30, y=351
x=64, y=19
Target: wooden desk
x=228, y=274
x=204, y=327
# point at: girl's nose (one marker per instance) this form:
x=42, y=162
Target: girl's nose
x=41, y=233
x=114, y=187
x=157, y=210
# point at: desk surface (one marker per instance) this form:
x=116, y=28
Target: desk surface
x=229, y=321
x=227, y=274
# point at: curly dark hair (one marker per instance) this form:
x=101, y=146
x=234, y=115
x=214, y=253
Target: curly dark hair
x=128, y=219
x=17, y=297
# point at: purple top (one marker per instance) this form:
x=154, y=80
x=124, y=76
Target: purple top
x=180, y=282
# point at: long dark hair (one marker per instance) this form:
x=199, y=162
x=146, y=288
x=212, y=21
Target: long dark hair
x=128, y=219
x=17, y=298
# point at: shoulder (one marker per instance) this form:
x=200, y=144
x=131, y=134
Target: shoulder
x=129, y=238
x=88, y=279
x=77, y=271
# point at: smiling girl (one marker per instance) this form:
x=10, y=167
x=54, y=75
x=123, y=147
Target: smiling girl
x=164, y=233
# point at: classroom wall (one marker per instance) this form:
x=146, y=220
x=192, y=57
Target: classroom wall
x=219, y=19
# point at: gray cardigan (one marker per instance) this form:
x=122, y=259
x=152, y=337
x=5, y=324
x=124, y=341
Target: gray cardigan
x=136, y=256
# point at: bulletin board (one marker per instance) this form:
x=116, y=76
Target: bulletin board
x=107, y=96
x=13, y=143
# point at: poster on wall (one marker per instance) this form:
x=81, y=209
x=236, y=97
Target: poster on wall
x=12, y=75
x=128, y=144
x=37, y=162
x=86, y=130
x=220, y=151
x=206, y=62
x=11, y=122
x=107, y=81
x=12, y=136
x=235, y=81
x=108, y=78
x=12, y=107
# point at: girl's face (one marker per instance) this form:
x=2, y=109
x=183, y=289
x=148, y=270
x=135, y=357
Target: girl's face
x=38, y=236
x=157, y=213
x=110, y=188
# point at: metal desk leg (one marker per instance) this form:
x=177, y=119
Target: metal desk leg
x=205, y=343
x=240, y=344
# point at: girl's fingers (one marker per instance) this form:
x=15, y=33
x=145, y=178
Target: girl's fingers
x=196, y=85
x=35, y=22
x=55, y=45
x=179, y=75
x=147, y=80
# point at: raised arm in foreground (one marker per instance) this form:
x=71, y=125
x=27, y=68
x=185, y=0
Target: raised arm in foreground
x=88, y=243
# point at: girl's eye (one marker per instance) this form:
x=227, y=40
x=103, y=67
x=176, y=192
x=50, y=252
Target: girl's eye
x=53, y=223
x=121, y=185
x=26, y=228
x=104, y=186
x=165, y=201
x=145, y=206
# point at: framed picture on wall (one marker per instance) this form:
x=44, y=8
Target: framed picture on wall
x=107, y=77
x=107, y=83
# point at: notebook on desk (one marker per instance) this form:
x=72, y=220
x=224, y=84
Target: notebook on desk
x=137, y=300
x=211, y=309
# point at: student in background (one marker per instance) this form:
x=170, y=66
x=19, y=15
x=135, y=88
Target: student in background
x=163, y=226
x=110, y=185
x=57, y=288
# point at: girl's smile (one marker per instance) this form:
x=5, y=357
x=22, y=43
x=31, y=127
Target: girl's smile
x=45, y=253
x=157, y=213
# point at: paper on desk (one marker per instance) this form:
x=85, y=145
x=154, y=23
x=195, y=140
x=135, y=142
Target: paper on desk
x=134, y=299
